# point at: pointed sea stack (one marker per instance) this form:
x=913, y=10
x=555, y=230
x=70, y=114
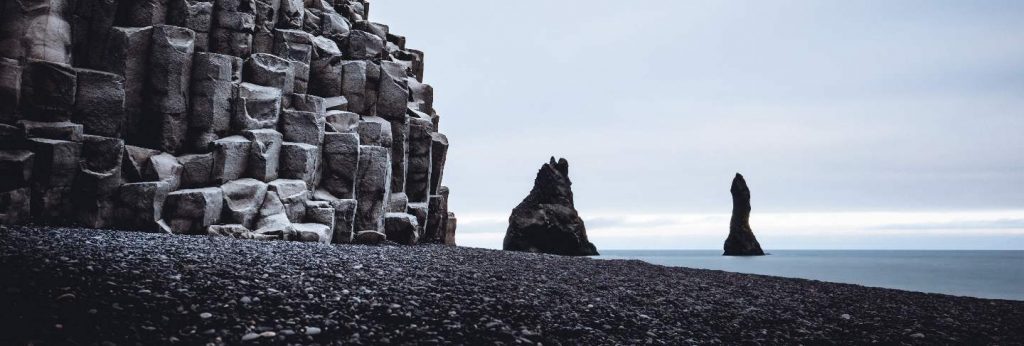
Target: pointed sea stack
x=741, y=240
x=547, y=221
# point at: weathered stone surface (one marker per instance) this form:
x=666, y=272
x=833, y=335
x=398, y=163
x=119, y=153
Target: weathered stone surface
x=167, y=90
x=370, y=237
x=91, y=21
x=295, y=45
x=242, y=201
x=449, y=230
x=127, y=55
x=266, y=20
x=375, y=131
x=361, y=45
x=399, y=153
x=417, y=178
x=546, y=221
x=10, y=90
x=140, y=205
x=373, y=186
x=393, y=93
x=48, y=90
x=194, y=15
x=230, y=158
x=439, y=155
x=308, y=103
x=300, y=161
x=233, y=26
x=98, y=180
x=422, y=96
x=293, y=194
x=197, y=170
x=401, y=228
x=164, y=167
x=336, y=103
x=345, y=211
x=134, y=162
x=145, y=12
x=63, y=130
x=354, y=84
x=741, y=240
x=269, y=70
x=421, y=212
x=100, y=103
x=55, y=166
x=15, y=168
x=303, y=127
x=398, y=203
x=15, y=206
x=318, y=211
x=264, y=154
x=342, y=122
x=326, y=68
x=191, y=211
x=341, y=163
x=213, y=76
x=273, y=221
x=312, y=232
x=437, y=214
x=292, y=14
x=255, y=107
x=236, y=231
x=334, y=26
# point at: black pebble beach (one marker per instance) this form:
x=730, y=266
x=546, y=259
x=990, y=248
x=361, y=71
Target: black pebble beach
x=74, y=286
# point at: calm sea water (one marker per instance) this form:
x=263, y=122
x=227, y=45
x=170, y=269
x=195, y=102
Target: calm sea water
x=985, y=274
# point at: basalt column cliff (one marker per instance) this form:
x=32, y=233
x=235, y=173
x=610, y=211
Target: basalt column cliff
x=266, y=119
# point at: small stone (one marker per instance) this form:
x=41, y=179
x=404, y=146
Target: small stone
x=205, y=315
x=268, y=334
x=250, y=337
x=312, y=330
x=917, y=336
x=845, y=316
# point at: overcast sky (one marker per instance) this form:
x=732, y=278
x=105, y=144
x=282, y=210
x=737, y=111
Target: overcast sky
x=858, y=124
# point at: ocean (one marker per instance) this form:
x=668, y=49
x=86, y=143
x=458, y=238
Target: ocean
x=983, y=274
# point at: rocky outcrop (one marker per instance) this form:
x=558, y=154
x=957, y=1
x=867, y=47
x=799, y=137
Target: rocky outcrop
x=741, y=240
x=256, y=119
x=547, y=221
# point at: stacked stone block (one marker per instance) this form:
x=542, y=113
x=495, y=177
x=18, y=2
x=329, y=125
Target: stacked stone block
x=255, y=119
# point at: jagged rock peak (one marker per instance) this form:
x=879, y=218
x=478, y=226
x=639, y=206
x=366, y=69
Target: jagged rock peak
x=546, y=221
x=741, y=240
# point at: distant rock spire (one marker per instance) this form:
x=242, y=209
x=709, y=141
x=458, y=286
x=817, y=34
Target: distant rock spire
x=546, y=221
x=741, y=240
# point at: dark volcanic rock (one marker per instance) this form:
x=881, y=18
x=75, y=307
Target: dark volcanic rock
x=741, y=240
x=547, y=221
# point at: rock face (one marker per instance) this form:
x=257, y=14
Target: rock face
x=256, y=119
x=741, y=240
x=546, y=221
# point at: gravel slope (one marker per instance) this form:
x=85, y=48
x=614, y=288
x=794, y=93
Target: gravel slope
x=81, y=286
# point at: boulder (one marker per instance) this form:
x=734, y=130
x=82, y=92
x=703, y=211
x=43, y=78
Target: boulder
x=264, y=155
x=134, y=162
x=437, y=214
x=361, y=45
x=294, y=45
x=309, y=103
x=741, y=240
x=312, y=232
x=235, y=231
x=401, y=228
x=190, y=211
x=320, y=212
x=292, y=14
x=398, y=203
x=373, y=186
x=370, y=237
x=300, y=161
x=449, y=230
x=393, y=93
x=354, y=84
x=421, y=211
x=326, y=68
x=341, y=163
x=546, y=221
x=15, y=206
x=230, y=158
x=243, y=199
x=344, y=215
x=100, y=103
x=272, y=218
x=375, y=131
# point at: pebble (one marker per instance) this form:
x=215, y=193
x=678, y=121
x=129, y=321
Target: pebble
x=250, y=336
x=312, y=330
x=268, y=334
x=917, y=336
x=205, y=315
x=845, y=316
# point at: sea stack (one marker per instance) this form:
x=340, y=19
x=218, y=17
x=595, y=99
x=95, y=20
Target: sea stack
x=741, y=240
x=546, y=221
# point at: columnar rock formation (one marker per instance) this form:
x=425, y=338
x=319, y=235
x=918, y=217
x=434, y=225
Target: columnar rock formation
x=741, y=240
x=259, y=119
x=546, y=221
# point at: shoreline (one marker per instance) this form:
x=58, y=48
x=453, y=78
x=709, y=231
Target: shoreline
x=133, y=287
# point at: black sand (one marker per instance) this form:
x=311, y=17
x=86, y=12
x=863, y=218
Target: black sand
x=85, y=287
